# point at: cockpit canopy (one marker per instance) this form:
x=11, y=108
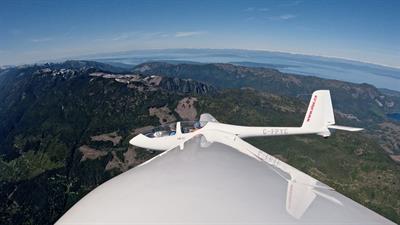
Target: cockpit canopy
x=169, y=129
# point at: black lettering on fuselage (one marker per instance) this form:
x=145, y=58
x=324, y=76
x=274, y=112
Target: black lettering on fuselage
x=275, y=131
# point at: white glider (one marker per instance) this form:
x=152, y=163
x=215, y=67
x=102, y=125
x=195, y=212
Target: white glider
x=318, y=120
x=209, y=175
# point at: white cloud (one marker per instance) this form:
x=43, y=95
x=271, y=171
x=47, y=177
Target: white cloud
x=139, y=35
x=154, y=34
x=286, y=16
x=188, y=33
x=44, y=39
x=125, y=36
x=121, y=37
x=283, y=17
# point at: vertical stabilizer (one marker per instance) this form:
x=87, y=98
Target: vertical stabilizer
x=320, y=111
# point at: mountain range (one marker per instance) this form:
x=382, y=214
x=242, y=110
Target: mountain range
x=309, y=65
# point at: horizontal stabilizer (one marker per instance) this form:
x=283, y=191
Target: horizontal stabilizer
x=337, y=127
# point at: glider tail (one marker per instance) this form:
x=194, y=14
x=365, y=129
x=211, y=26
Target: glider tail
x=320, y=117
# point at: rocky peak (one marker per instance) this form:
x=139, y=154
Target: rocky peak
x=155, y=82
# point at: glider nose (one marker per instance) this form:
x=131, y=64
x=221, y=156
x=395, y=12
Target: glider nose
x=139, y=141
x=159, y=144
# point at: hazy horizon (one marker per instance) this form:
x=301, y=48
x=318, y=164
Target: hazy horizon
x=92, y=56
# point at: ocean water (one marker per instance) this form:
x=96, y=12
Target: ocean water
x=330, y=68
x=394, y=116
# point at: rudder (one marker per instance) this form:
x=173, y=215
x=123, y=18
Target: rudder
x=320, y=111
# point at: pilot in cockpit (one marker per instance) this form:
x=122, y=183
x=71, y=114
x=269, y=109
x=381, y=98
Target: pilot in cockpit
x=170, y=130
x=196, y=126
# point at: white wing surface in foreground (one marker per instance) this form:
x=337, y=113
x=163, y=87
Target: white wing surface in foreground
x=217, y=178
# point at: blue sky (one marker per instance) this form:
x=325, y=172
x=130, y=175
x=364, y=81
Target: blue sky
x=37, y=30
